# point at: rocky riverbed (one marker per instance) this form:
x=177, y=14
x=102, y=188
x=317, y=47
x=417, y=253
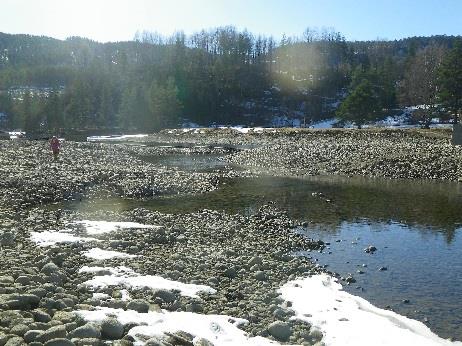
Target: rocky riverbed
x=407, y=154
x=44, y=287
x=75, y=277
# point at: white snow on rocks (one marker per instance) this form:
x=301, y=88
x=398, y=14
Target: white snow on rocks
x=101, y=227
x=218, y=329
x=49, y=238
x=99, y=254
x=113, y=137
x=123, y=276
x=346, y=319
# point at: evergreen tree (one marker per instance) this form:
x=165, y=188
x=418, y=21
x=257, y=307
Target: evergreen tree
x=450, y=80
x=362, y=105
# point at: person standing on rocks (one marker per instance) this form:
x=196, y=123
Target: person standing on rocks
x=55, y=145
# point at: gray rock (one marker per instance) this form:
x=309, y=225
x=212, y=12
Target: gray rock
x=260, y=276
x=202, y=342
x=122, y=342
x=59, y=342
x=370, y=249
x=15, y=341
x=50, y=268
x=87, y=342
x=23, y=301
x=39, y=292
x=230, y=273
x=280, y=330
x=138, y=305
x=315, y=335
x=3, y=339
x=19, y=329
x=31, y=335
x=255, y=261
x=88, y=331
x=52, y=333
x=155, y=341
x=7, y=239
x=65, y=317
x=23, y=280
x=41, y=316
x=166, y=295
x=8, y=280
x=112, y=329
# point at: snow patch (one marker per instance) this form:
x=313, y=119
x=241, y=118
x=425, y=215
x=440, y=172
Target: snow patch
x=50, y=238
x=123, y=276
x=346, y=319
x=100, y=254
x=101, y=227
x=113, y=137
x=218, y=329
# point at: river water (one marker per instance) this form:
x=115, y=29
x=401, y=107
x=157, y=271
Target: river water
x=415, y=226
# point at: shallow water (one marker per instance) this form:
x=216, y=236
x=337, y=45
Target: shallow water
x=415, y=226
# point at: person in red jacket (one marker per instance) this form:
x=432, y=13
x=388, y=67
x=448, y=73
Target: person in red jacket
x=55, y=145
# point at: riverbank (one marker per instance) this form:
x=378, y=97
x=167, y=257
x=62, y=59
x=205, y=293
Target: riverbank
x=398, y=154
x=65, y=272
x=241, y=261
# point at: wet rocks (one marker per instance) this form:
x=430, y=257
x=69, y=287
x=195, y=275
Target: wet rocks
x=370, y=249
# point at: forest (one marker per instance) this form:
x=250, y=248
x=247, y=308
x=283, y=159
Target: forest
x=223, y=76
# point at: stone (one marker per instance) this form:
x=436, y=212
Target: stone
x=22, y=280
x=370, y=249
x=255, y=261
x=65, y=317
x=3, y=339
x=52, y=333
x=111, y=328
x=19, y=329
x=87, y=331
x=315, y=335
x=280, y=330
x=8, y=280
x=41, y=316
x=59, y=342
x=87, y=342
x=31, y=335
x=230, y=273
x=50, y=268
x=260, y=276
x=202, y=342
x=139, y=305
x=166, y=295
x=15, y=341
x=7, y=239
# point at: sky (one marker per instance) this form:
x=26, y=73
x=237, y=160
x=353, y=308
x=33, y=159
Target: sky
x=119, y=20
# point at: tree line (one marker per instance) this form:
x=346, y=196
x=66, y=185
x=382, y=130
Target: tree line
x=222, y=75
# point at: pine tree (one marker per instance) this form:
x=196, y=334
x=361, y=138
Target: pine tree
x=450, y=80
x=361, y=105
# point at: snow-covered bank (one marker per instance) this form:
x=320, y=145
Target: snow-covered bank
x=218, y=329
x=346, y=319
